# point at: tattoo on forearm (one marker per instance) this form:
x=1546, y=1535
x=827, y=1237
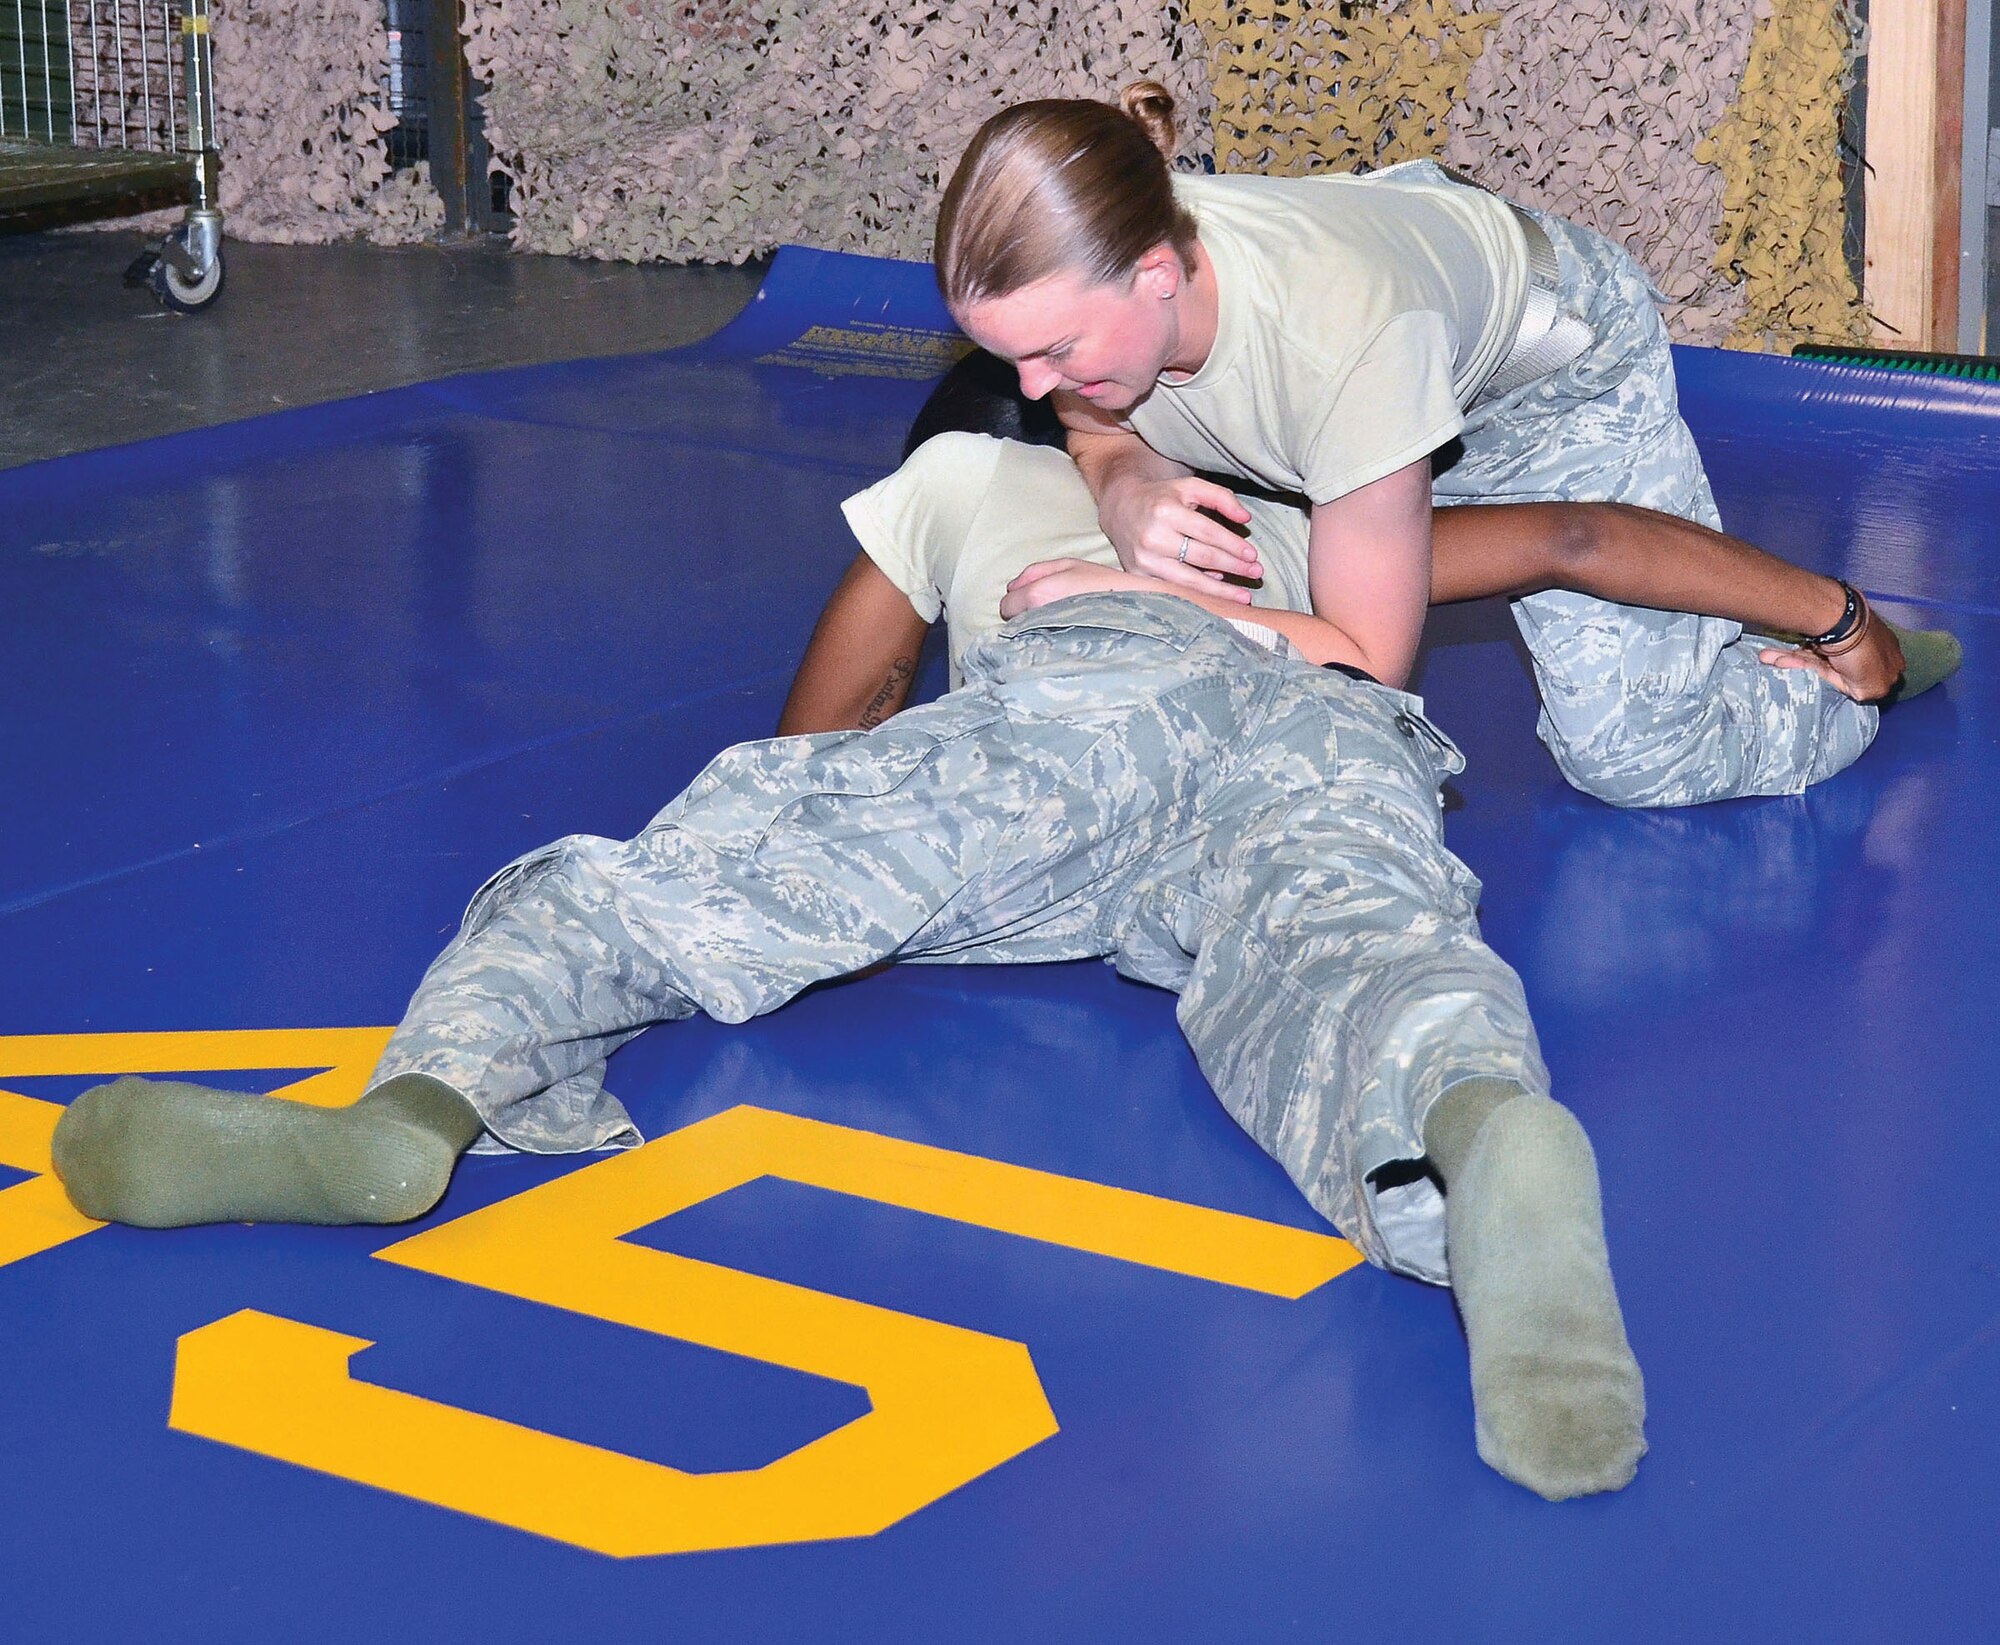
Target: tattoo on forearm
x=889, y=693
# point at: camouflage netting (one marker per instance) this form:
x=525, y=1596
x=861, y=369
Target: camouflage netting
x=1594, y=110
x=1621, y=114
x=1689, y=130
x=301, y=113
x=1783, y=210
x=1303, y=85
x=717, y=129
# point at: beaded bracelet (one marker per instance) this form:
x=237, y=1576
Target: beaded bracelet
x=1846, y=634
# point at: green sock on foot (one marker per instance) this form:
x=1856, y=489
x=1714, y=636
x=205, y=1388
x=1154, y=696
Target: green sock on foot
x=165, y=1154
x=1558, y=1401
x=1930, y=657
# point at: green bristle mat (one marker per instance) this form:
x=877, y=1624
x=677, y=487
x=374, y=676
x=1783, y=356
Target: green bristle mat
x=1970, y=367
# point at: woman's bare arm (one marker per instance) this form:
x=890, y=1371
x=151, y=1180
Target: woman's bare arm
x=862, y=657
x=1369, y=570
x=1368, y=565
x=1047, y=581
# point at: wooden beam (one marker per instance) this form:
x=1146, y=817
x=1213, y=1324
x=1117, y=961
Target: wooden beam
x=1916, y=88
x=1949, y=166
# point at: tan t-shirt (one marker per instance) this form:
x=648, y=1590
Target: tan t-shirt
x=967, y=513
x=1357, y=317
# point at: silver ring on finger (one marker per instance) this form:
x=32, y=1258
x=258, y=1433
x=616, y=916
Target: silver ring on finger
x=1182, y=556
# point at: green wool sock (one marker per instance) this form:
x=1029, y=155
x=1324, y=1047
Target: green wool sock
x=1930, y=657
x=163, y=1154
x=1558, y=1402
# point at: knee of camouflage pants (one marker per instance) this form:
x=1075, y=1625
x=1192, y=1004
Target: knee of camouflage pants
x=1654, y=708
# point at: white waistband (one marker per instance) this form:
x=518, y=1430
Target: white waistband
x=1548, y=338
x=1269, y=638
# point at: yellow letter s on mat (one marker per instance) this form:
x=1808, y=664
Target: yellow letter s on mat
x=948, y=1404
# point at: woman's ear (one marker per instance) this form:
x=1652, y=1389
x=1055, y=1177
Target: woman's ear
x=1159, y=273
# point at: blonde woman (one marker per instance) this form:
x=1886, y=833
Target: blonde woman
x=1376, y=345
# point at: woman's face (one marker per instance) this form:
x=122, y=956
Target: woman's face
x=1104, y=341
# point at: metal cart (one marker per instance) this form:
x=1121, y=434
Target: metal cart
x=98, y=111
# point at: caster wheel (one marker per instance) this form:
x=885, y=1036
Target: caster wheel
x=181, y=294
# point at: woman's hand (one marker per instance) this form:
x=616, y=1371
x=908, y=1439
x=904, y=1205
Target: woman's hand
x=1049, y=580
x=1152, y=509
x=1167, y=529
x=1867, y=673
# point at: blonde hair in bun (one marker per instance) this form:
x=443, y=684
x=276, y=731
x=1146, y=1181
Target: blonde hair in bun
x=1152, y=106
x=1061, y=184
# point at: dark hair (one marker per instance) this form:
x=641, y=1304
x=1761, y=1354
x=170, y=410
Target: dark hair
x=982, y=395
x=1061, y=184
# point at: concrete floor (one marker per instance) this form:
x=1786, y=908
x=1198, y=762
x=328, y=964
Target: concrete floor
x=85, y=362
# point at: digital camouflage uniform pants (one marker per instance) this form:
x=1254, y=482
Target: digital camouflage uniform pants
x=1121, y=776
x=1639, y=707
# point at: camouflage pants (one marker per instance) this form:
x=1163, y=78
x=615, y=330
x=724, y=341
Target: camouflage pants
x=1639, y=707
x=1123, y=777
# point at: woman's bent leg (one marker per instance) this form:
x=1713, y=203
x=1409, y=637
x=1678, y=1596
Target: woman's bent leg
x=1640, y=707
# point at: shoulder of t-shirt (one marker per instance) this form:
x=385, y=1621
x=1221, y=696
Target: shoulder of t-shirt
x=1244, y=185
x=958, y=478
x=914, y=522
x=955, y=452
x=955, y=472
x=1304, y=343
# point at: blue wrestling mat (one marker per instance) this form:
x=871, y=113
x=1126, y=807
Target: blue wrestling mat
x=953, y=1307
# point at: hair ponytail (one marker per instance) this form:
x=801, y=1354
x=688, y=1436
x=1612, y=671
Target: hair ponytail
x=1061, y=185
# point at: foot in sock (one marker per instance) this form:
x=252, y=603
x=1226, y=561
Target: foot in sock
x=1558, y=1401
x=163, y=1154
x=1930, y=657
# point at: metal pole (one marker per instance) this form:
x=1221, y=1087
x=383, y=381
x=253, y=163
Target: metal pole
x=118, y=44
x=200, y=76
x=96, y=79
x=212, y=116
x=1975, y=181
x=146, y=69
x=454, y=132
x=48, y=78
x=69, y=45
x=21, y=32
x=194, y=35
